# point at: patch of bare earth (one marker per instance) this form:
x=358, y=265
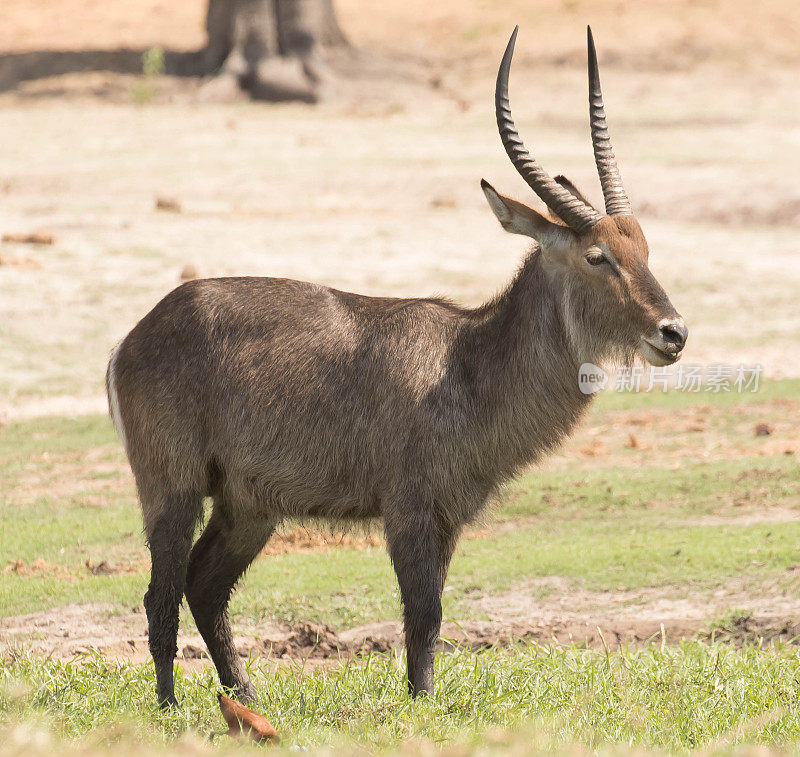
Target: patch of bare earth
x=39, y=567
x=574, y=615
x=297, y=540
x=567, y=616
x=668, y=436
x=92, y=477
x=307, y=540
x=310, y=539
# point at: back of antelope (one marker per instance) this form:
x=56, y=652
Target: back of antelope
x=282, y=399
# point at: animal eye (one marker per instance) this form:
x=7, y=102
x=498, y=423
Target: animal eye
x=595, y=257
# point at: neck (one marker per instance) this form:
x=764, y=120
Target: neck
x=524, y=378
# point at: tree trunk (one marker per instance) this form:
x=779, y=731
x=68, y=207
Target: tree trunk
x=271, y=47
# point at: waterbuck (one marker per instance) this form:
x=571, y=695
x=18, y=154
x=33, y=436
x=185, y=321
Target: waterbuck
x=283, y=399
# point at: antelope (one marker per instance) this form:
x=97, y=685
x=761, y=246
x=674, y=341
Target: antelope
x=282, y=399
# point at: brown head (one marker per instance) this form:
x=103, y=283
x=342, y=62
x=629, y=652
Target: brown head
x=613, y=304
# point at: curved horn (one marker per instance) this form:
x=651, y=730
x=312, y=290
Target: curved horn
x=564, y=204
x=617, y=202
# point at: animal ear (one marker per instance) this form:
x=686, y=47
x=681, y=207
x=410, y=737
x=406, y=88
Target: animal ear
x=517, y=218
x=572, y=189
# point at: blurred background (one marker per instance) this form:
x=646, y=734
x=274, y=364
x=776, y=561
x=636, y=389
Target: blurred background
x=146, y=141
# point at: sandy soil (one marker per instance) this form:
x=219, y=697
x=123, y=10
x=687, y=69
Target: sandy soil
x=376, y=189
x=571, y=617
x=666, y=437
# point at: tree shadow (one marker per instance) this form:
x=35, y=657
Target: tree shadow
x=16, y=68
x=341, y=71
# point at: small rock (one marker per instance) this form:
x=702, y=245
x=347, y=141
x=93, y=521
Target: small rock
x=191, y=652
x=37, y=237
x=24, y=262
x=16, y=566
x=443, y=202
x=375, y=644
x=189, y=272
x=595, y=448
x=763, y=429
x=168, y=204
x=101, y=568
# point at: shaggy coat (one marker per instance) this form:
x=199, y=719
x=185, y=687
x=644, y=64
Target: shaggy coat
x=282, y=399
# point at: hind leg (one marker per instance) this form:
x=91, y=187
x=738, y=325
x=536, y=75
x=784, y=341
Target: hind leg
x=221, y=555
x=170, y=520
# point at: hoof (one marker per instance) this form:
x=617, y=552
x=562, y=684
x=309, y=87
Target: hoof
x=246, y=694
x=167, y=701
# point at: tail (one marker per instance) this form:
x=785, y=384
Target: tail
x=113, y=401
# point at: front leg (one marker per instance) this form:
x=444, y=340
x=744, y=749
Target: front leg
x=414, y=552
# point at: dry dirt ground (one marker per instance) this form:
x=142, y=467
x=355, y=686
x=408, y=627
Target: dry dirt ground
x=376, y=190
x=596, y=619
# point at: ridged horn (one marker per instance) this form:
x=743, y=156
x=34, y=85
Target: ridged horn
x=570, y=209
x=617, y=202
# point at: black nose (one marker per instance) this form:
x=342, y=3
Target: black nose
x=674, y=332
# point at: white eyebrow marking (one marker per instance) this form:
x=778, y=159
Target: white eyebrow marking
x=609, y=256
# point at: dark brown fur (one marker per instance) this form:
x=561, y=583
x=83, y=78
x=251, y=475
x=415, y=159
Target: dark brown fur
x=283, y=399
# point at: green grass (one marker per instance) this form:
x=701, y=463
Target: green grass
x=52, y=436
x=676, y=698
x=601, y=529
x=669, y=528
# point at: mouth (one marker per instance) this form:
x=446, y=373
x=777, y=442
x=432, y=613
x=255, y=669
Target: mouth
x=658, y=356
